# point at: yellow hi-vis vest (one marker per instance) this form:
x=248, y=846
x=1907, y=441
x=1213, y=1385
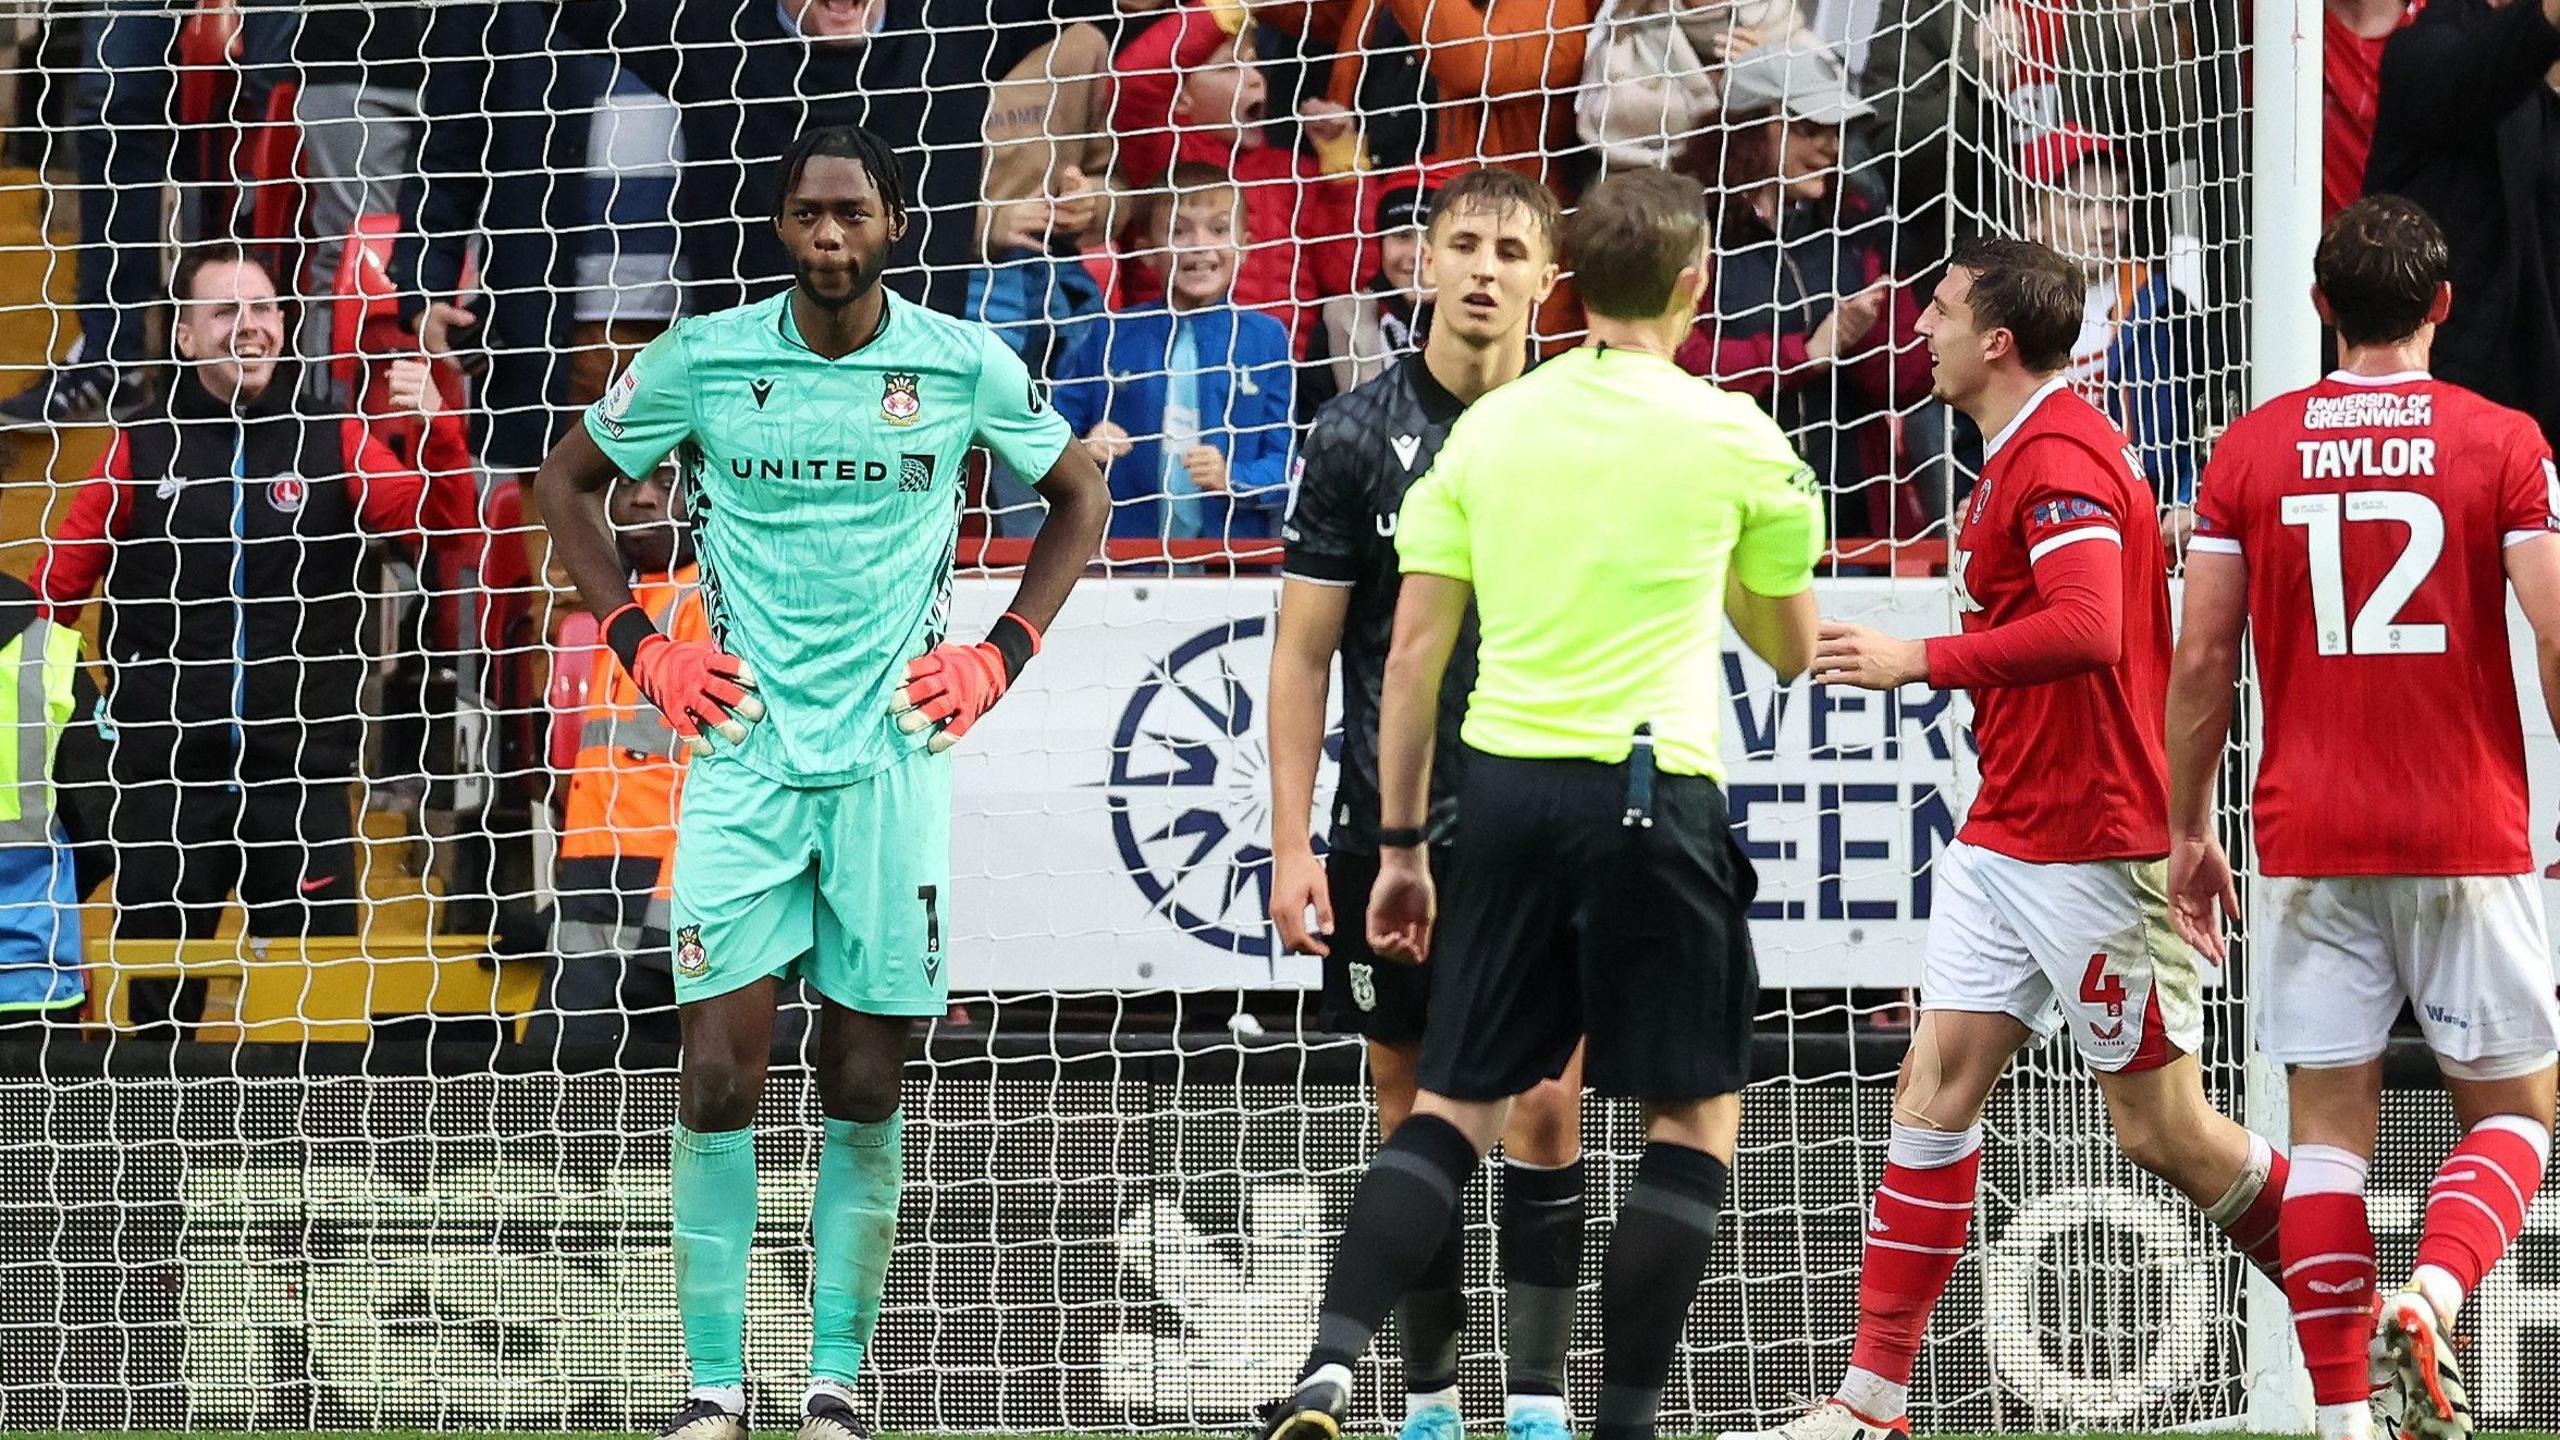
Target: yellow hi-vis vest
x=36, y=669
x=40, y=949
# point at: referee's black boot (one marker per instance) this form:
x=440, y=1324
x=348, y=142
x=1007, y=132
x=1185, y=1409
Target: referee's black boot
x=1312, y=1412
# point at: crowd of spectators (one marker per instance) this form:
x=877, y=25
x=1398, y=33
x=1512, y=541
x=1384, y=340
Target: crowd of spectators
x=566, y=179
x=1195, y=221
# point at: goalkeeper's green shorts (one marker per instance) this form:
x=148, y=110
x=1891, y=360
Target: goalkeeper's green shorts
x=841, y=885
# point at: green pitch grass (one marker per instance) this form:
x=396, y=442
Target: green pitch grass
x=896, y=1435
x=892, y=1436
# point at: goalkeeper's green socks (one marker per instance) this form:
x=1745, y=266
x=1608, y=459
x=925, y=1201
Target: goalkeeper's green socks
x=713, y=1186
x=860, y=1169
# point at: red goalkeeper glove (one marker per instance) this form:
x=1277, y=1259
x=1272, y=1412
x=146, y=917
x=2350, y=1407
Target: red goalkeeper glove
x=693, y=683
x=950, y=686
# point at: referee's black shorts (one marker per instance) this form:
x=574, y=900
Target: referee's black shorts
x=1559, y=919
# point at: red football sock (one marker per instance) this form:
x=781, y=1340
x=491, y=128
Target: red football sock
x=2252, y=1231
x=1915, y=1236
x=2328, y=1270
x=2478, y=1202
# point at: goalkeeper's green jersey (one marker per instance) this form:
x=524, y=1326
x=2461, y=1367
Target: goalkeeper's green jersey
x=825, y=500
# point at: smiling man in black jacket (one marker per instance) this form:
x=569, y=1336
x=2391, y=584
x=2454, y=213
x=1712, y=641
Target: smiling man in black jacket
x=223, y=536
x=2469, y=128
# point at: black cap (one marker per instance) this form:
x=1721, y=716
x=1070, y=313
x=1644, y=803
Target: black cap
x=1404, y=207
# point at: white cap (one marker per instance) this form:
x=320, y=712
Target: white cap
x=1799, y=75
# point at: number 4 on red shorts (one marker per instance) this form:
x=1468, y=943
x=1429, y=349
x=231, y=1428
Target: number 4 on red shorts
x=2097, y=987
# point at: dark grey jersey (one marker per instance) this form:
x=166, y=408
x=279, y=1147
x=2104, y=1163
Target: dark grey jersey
x=1363, y=452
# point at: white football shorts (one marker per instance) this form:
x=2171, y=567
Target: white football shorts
x=2469, y=953
x=2087, y=943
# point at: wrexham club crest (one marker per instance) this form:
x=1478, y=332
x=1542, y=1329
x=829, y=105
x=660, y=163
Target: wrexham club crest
x=898, y=402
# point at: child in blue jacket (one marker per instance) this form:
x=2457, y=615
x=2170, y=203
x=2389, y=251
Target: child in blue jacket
x=1186, y=401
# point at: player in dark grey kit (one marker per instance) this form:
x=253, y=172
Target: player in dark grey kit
x=1490, y=258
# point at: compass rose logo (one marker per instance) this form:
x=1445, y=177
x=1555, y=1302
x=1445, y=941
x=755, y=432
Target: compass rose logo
x=1190, y=790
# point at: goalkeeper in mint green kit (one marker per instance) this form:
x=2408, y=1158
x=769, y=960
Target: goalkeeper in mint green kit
x=823, y=438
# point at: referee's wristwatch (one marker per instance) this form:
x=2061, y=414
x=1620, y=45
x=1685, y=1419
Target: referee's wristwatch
x=1401, y=837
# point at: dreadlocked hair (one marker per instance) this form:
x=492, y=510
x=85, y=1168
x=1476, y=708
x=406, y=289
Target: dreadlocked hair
x=844, y=142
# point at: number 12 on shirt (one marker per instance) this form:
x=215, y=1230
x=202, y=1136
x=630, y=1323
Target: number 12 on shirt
x=2376, y=630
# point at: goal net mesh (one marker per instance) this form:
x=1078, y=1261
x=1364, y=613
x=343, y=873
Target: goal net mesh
x=380, y=1160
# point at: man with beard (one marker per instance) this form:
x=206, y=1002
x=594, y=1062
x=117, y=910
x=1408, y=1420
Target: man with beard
x=822, y=435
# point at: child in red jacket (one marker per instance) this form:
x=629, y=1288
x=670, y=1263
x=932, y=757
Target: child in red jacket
x=1186, y=90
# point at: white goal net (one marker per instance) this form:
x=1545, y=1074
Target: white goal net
x=337, y=1073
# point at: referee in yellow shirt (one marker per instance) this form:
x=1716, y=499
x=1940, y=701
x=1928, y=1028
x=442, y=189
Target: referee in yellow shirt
x=1598, y=513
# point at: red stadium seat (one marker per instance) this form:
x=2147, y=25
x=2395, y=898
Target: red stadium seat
x=505, y=568
x=365, y=336
x=510, y=635
x=272, y=166
x=364, y=318
x=208, y=39
x=234, y=149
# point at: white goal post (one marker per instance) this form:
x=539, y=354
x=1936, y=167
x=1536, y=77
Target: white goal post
x=2284, y=352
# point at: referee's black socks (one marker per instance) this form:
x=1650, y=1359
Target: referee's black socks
x=1656, y=1259
x=1405, y=1209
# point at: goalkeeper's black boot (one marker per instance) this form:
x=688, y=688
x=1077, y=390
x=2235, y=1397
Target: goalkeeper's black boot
x=702, y=1419
x=1312, y=1412
x=829, y=1418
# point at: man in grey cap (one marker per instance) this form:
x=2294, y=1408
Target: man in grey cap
x=1806, y=315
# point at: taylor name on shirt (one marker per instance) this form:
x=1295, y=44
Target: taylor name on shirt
x=2365, y=455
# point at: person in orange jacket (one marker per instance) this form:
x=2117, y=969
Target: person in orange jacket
x=1451, y=84
x=1461, y=82
x=618, y=837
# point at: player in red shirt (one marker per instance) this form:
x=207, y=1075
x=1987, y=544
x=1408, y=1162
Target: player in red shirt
x=2052, y=905
x=2365, y=531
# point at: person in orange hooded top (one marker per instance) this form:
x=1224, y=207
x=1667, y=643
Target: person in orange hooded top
x=1456, y=82
x=1446, y=85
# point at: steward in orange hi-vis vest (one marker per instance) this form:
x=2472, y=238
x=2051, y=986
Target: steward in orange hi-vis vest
x=618, y=840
